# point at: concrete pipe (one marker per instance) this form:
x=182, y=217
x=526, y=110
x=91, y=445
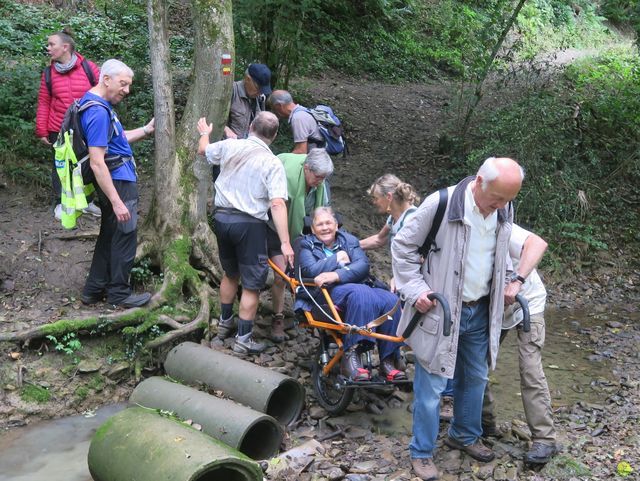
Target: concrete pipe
x=140, y=444
x=252, y=433
x=262, y=389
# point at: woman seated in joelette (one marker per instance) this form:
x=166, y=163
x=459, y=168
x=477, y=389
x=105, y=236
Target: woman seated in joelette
x=333, y=258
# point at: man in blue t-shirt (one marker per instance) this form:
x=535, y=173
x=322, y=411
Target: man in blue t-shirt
x=112, y=163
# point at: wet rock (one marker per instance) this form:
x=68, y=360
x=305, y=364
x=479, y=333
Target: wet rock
x=358, y=477
x=87, y=366
x=317, y=412
x=334, y=474
x=118, y=371
x=364, y=467
x=615, y=324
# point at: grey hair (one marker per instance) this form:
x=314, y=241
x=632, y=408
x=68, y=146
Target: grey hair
x=265, y=126
x=319, y=162
x=280, y=97
x=489, y=172
x=323, y=210
x=113, y=67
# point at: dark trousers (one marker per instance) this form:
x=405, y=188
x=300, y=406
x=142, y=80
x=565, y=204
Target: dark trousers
x=115, y=248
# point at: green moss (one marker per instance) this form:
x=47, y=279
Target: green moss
x=176, y=262
x=64, y=326
x=37, y=394
x=96, y=383
x=82, y=392
x=565, y=467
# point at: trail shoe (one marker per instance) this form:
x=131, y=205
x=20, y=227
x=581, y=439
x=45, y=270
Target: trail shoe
x=476, y=450
x=227, y=327
x=90, y=299
x=491, y=430
x=277, y=328
x=247, y=345
x=57, y=212
x=134, y=300
x=389, y=371
x=351, y=366
x=540, y=453
x=425, y=469
x=93, y=210
x=446, y=408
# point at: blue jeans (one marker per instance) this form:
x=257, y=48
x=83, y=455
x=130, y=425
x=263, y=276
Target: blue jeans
x=469, y=381
x=448, y=390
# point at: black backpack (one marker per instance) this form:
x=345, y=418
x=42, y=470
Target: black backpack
x=85, y=66
x=72, y=126
x=430, y=244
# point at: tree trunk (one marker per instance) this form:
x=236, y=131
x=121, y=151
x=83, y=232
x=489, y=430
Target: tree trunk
x=179, y=229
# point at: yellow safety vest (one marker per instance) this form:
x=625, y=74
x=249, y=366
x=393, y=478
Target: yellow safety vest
x=74, y=193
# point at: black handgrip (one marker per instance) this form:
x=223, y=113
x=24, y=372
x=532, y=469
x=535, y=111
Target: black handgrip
x=446, y=311
x=526, y=318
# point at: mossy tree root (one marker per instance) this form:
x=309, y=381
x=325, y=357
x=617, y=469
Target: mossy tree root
x=108, y=322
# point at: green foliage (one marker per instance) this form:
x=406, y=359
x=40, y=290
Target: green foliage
x=545, y=25
x=623, y=13
x=115, y=30
x=578, y=141
x=69, y=344
x=141, y=272
x=33, y=393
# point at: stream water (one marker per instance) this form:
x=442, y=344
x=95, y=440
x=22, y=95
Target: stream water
x=57, y=450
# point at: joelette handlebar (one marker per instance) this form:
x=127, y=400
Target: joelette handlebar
x=446, y=312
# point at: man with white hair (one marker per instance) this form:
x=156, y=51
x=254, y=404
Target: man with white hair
x=111, y=160
x=469, y=268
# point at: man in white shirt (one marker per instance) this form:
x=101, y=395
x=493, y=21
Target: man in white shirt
x=526, y=250
x=469, y=269
x=252, y=182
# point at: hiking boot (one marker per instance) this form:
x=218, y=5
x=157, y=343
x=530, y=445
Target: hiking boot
x=446, y=408
x=227, y=327
x=389, y=371
x=57, y=212
x=351, y=366
x=540, y=453
x=425, y=469
x=476, y=450
x=90, y=299
x=93, y=210
x=491, y=430
x=134, y=300
x=247, y=345
x=277, y=328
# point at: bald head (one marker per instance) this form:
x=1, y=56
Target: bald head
x=498, y=181
x=265, y=126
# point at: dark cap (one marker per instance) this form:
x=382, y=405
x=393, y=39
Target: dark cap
x=261, y=75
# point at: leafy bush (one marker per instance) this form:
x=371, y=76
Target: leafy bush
x=578, y=141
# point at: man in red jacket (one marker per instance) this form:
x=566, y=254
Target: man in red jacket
x=67, y=78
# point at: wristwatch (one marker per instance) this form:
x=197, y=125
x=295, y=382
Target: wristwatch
x=516, y=277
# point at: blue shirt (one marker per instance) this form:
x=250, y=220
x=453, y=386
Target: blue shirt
x=97, y=125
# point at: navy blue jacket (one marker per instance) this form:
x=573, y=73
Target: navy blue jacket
x=313, y=261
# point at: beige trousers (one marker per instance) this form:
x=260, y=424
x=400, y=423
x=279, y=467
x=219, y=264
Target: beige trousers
x=533, y=384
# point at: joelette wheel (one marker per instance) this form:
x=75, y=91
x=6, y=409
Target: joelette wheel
x=331, y=393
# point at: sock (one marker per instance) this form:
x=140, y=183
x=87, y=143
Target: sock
x=226, y=311
x=244, y=327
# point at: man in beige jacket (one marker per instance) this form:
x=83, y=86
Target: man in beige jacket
x=469, y=268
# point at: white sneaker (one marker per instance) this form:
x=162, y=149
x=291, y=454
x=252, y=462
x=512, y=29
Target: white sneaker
x=93, y=210
x=57, y=212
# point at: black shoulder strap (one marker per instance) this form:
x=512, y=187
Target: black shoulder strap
x=435, y=226
x=47, y=78
x=87, y=70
